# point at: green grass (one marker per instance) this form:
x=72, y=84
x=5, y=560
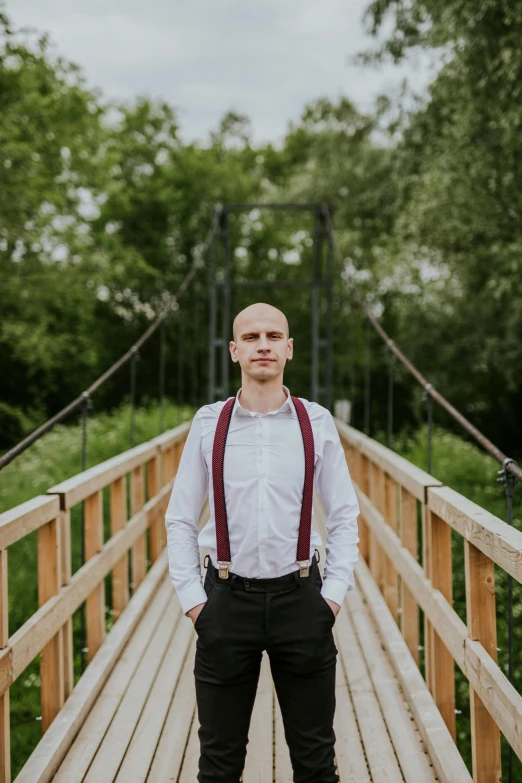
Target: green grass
x=57, y=455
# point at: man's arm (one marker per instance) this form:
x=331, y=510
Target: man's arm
x=181, y=521
x=342, y=509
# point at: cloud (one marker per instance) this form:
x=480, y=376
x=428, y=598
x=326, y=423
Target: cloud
x=265, y=59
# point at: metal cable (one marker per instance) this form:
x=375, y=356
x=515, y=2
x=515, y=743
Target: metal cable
x=429, y=389
x=168, y=307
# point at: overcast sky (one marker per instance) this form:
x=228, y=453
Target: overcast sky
x=265, y=59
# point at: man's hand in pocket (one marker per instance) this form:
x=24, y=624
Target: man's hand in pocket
x=194, y=612
x=333, y=606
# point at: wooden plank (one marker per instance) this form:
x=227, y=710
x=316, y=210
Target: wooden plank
x=18, y=522
x=283, y=765
x=139, y=755
x=67, y=627
x=438, y=658
x=499, y=541
x=190, y=766
x=447, y=761
x=169, y=464
x=157, y=539
x=349, y=752
x=364, y=531
x=409, y=609
x=44, y=761
x=117, y=738
x=410, y=751
x=482, y=626
x=138, y=551
x=500, y=697
x=377, y=745
x=5, y=722
x=95, y=604
x=259, y=757
x=377, y=560
x=390, y=512
x=409, y=476
x=94, y=727
x=51, y=657
x=120, y=572
x=171, y=747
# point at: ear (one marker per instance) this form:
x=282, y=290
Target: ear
x=233, y=351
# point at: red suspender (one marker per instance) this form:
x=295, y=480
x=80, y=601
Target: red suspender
x=305, y=526
x=220, y=509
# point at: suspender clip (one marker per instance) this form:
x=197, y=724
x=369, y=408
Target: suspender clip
x=304, y=568
x=223, y=568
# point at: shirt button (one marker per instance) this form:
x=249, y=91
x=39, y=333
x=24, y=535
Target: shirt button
x=262, y=573
x=263, y=475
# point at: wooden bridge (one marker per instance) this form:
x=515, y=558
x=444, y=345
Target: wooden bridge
x=131, y=717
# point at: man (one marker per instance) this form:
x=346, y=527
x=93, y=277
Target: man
x=257, y=454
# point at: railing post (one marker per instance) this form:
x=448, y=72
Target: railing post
x=364, y=532
x=155, y=530
x=409, y=609
x=169, y=464
x=138, y=552
x=51, y=656
x=482, y=626
x=95, y=605
x=440, y=667
x=120, y=572
x=5, y=723
x=377, y=556
x=67, y=629
x=391, y=587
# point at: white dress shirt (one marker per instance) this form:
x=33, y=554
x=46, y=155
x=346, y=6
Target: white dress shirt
x=263, y=477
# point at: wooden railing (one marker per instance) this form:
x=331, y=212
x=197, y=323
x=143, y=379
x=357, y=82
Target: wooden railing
x=151, y=467
x=398, y=502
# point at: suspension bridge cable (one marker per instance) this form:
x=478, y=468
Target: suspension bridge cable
x=429, y=389
x=170, y=305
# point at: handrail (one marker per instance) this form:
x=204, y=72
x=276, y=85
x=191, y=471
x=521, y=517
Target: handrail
x=390, y=491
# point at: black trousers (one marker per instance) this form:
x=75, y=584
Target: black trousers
x=288, y=617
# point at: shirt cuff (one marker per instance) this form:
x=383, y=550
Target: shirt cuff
x=191, y=596
x=335, y=589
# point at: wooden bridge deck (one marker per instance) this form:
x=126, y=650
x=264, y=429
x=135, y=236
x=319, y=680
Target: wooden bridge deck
x=143, y=725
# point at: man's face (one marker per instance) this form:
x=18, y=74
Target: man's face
x=261, y=346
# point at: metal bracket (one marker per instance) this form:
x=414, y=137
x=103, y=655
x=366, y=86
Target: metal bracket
x=223, y=568
x=304, y=568
x=506, y=478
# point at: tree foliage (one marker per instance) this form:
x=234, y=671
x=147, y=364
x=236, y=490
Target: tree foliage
x=103, y=208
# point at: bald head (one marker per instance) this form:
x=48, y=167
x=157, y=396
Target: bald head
x=260, y=311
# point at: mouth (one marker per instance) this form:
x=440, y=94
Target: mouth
x=264, y=360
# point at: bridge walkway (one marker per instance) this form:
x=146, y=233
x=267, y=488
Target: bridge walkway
x=143, y=725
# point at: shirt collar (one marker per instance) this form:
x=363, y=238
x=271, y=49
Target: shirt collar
x=287, y=404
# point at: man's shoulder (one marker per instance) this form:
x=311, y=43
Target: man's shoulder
x=316, y=411
x=210, y=411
